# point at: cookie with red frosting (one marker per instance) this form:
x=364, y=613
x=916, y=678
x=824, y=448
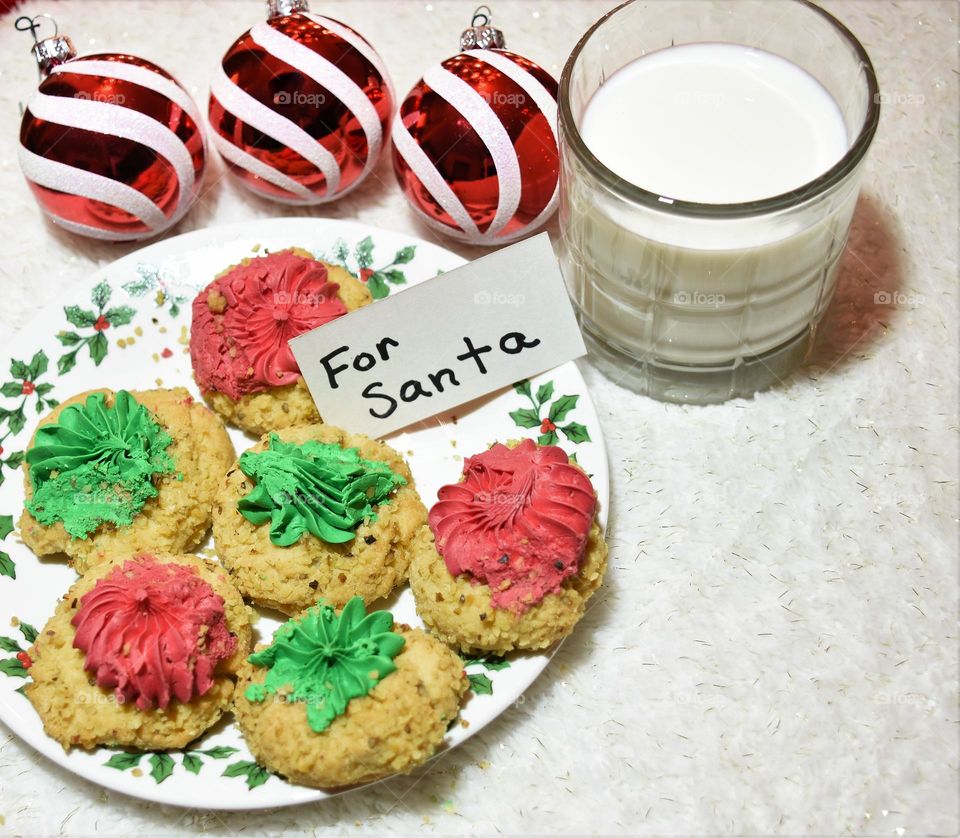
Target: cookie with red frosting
x=141, y=652
x=512, y=552
x=242, y=324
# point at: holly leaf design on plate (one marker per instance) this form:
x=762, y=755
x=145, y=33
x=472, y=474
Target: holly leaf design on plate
x=256, y=775
x=378, y=286
x=575, y=432
x=123, y=761
x=523, y=387
x=6, y=526
x=98, y=348
x=405, y=255
x=192, y=763
x=68, y=338
x=100, y=295
x=161, y=766
x=525, y=417
x=80, y=317
x=491, y=662
x=119, y=316
x=220, y=752
x=480, y=684
x=561, y=407
x=7, y=566
x=545, y=392
x=13, y=668
x=9, y=644
x=28, y=631
x=363, y=252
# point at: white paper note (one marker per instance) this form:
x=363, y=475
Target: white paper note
x=439, y=344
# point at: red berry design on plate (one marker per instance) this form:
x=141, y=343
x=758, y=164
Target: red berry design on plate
x=25, y=659
x=365, y=274
x=101, y=324
x=554, y=423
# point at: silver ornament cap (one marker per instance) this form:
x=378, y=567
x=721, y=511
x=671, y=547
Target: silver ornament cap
x=48, y=52
x=52, y=52
x=480, y=34
x=282, y=8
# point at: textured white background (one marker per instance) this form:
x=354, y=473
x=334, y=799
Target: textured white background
x=775, y=650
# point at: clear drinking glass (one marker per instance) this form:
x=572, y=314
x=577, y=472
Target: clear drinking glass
x=692, y=302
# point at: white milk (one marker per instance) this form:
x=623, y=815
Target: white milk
x=714, y=123
x=662, y=293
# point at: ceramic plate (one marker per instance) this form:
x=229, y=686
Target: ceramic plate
x=127, y=327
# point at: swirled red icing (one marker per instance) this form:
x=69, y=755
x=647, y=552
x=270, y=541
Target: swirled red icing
x=518, y=521
x=243, y=320
x=153, y=632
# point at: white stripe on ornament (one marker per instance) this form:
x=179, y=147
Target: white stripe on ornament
x=541, y=98
x=421, y=165
x=119, y=121
x=237, y=156
x=267, y=121
x=135, y=74
x=96, y=232
x=447, y=230
x=333, y=79
x=485, y=122
x=63, y=178
x=359, y=44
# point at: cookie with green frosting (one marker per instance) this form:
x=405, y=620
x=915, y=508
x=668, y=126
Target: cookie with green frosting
x=343, y=698
x=315, y=512
x=109, y=473
x=98, y=463
x=314, y=487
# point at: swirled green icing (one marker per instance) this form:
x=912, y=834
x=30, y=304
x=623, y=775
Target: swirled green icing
x=96, y=464
x=313, y=487
x=324, y=659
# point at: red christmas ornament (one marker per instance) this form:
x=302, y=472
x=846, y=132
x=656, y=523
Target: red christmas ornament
x=475, y=142
x=300, y=106
x=110, y=144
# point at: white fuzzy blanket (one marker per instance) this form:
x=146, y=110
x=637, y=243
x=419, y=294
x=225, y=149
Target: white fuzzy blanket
x=775, y=651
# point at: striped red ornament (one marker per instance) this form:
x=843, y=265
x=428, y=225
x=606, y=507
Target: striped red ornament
x=110, y=144
x=475, y=146
x=299, y=108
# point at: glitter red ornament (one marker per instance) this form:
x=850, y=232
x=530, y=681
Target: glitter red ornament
x=300, y=105
x=110, y=144
x=475, y=142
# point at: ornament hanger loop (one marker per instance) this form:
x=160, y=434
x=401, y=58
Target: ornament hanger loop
x=25, y=23
x=481, y=17
x=480, y=34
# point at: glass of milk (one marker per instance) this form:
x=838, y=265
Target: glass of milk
x=711, y=153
